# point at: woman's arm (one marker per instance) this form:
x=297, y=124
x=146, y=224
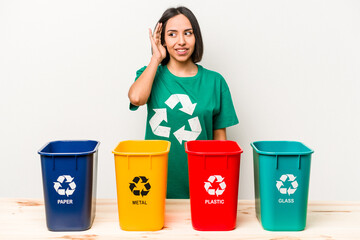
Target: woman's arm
x=140, y=90
x=220, y=134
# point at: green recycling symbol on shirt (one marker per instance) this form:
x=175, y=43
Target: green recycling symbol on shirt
x=181, y=134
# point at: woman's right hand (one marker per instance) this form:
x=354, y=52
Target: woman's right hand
x=158, y=50
x=140, y=90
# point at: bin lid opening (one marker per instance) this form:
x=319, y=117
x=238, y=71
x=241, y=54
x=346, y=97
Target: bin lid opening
x=142, y=147
x=281, y=148
x=69, y=147
x=212, y=147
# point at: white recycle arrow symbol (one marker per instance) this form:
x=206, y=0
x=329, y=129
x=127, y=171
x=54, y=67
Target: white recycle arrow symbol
x=283, y=190
x=155, y=121
x=211, y=179
x=68, y=178
x=219, y=192
x=69, y=192
x=61, y=179
x=57, y=185
x=187, y=106
x=72, y=185
x=279, y=184
x=211, y=191
x=207, y=185
x=291, y=191
x=219, y=178
x=61, y=192
x=291, y=177
x=283, y=178
x=184, y=135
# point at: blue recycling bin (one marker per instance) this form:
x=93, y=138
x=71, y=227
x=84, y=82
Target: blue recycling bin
x=69, y=170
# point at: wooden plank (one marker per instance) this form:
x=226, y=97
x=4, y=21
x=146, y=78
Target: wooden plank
x=25, y=219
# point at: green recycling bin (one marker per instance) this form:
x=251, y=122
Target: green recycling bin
x=281, y=174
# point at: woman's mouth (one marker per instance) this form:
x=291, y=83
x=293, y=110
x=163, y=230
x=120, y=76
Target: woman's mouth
x=181, y=51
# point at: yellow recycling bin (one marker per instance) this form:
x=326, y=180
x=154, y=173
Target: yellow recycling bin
x=141, y=176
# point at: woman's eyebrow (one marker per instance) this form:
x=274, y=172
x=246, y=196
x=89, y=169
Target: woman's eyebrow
x=173, y=30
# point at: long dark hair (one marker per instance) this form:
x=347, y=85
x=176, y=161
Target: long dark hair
x=199, y=47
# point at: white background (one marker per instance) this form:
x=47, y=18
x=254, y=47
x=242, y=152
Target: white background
x=292, y=67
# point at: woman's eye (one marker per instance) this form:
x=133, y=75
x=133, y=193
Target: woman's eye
x=188, y=33
x=172, y=34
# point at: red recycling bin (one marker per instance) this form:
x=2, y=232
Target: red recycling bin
x=213, y=180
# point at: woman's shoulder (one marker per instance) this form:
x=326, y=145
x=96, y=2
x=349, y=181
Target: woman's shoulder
x=211, y=74
x=215, y=78
x=140, y=71
x=160, y=68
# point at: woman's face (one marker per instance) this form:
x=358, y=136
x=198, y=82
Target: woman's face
x=179, y=38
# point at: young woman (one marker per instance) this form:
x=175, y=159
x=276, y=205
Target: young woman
x=184, y=100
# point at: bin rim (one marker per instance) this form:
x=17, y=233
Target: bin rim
x=143, y=153
x=68, y=154
x=212, y=153
x=281, y=153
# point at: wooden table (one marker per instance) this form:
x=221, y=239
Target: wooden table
x=25, y=219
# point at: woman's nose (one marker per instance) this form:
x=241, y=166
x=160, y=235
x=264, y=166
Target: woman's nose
x=181, y=40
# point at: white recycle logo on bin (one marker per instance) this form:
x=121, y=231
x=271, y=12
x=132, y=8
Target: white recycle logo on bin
x=219, y=190
x=287, y=178
x=70, y=189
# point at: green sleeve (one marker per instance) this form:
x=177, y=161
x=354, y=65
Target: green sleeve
x=138, y=73
x=226, y=117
